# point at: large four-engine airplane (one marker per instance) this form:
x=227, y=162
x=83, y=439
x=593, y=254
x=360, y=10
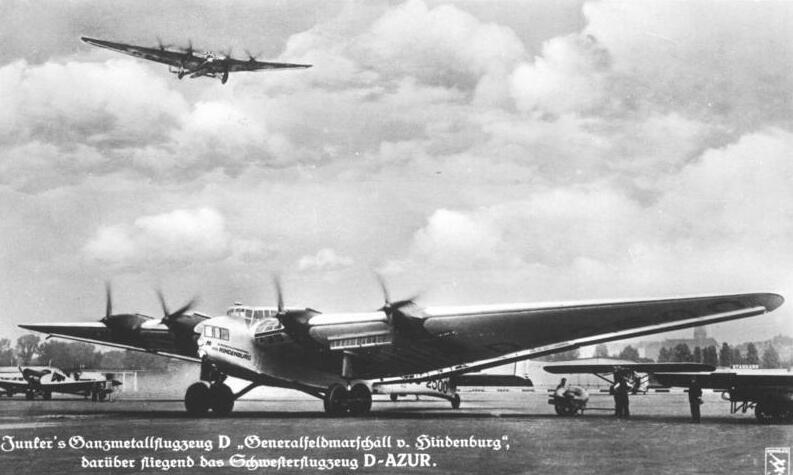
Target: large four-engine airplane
x=45, y=381
x=192, y=63
x=342, y=358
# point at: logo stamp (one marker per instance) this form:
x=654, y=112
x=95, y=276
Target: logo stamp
x=777, y=461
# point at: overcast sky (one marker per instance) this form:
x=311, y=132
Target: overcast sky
x=475, y=152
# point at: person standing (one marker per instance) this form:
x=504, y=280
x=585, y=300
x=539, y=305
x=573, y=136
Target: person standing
x=695, y=399
x=620, y=391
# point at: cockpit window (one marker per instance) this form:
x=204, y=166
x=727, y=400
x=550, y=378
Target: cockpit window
x=258, y=314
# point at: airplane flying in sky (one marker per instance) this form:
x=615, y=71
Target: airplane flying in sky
x=342, y=358
x=192, y=63
x=45, y=381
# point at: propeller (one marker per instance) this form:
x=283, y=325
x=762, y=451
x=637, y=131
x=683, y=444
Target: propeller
x=125, y=323
x=108, y=303
x=279, y=295
x=189, y=50
x=169, y=316
x=162, y=46
x=389, y=307
x=251, y=57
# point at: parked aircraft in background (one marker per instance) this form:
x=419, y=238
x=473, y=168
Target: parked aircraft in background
x=769, y=394
x=43, y=381
x=192, y=63
x=341, y=357
x=573, y=399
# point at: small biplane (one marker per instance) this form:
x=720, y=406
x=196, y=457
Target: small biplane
x=192, y=63
x=46, y=380
x=568, y=401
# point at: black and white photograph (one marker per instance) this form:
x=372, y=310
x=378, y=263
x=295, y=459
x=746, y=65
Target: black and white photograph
x=396, y=236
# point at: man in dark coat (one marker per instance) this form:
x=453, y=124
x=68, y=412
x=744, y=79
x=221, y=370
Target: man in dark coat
x=694, y=399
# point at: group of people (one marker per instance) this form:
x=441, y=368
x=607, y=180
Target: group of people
x=621, y=388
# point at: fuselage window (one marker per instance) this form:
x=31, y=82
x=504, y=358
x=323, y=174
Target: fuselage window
x=258, y=314
x=224, y=333
x=207, y=331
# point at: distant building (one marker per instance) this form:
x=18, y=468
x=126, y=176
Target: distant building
x=650, y=349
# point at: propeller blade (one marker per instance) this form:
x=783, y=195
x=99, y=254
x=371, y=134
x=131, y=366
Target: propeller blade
x=108, y=301
x=189, y=50
x=164, y=306
x=168, y=315
x=251, y=57
x=161, y=45
x=279, y=293
x=186, y=307
x=384, y=288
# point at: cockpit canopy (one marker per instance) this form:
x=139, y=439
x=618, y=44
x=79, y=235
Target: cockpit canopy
x=261, y=316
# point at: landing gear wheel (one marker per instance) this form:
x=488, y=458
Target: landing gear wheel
x=29, y=395
x=359, y=400
x=456, y=401
x=564, y=410
x=197, y=399
x=394, y=397
x=336, y=400
x=102, y=395
x=221, y=399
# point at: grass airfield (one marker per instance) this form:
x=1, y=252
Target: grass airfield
x=658, y=438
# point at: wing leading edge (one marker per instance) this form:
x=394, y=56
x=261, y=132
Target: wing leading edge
x=487, y=337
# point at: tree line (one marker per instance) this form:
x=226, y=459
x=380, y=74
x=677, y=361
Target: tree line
x=725, y=356
x=30, y=350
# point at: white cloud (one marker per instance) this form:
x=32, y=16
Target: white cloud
x=324, y=260
x=179, y=237
x=570, y=76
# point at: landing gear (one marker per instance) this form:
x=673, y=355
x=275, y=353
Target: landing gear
x=355, y=402
x=221, y=399
x=197, y=399
x=394, y=397
x=455, y=401
x=360, y=401
x=201, y=397
x=336, y=400
x=29, y=395
x=225, y=77
x=47, y=395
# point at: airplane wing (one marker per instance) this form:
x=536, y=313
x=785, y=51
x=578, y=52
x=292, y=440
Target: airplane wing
x=235, y=65
x=155, y=339
x=15, y=386
x=727, y=380
x=68, y=387
x=462, y=340
x=164, y=56
x=639, y=367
